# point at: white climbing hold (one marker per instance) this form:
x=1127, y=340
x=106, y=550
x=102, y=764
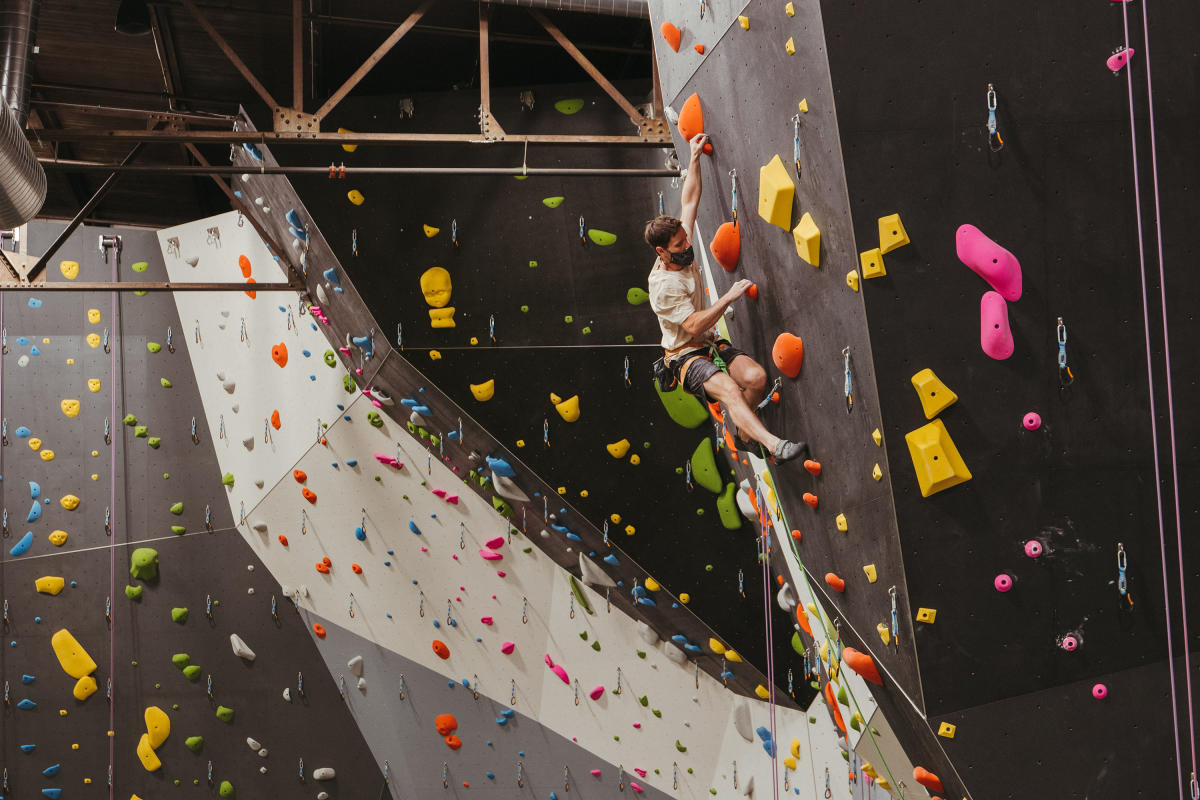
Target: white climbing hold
x=355, y=665
x=220, y=376
x=240, y=648
x=263, y=754
x=646, y=633
x=249, y=568
x=362, y=684
x=235, y=407
x=259, y=525
x=23, y=361
x=323, y=796
x=507, y=489
x=324, y=774
x=250, y=590
x=741, y=721
x=592, y=574
x=229, y=386
x=786, y=598
x=287, y=694
x=743, y=502
x=262, y=770
x=258, y=482
x=321, y=296
x=674, y=654
x=545, y=533
x=192, y=261
x=253, y=744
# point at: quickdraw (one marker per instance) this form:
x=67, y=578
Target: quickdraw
x=1065, y=376
x=849, y=381
x=998, y=144
x=796, y=142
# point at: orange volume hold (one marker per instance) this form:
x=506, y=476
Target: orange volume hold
x=672, y=34
x=863, y=664
x=831, y=702
x=835, y=582
x=788, y=354
x=927, y=779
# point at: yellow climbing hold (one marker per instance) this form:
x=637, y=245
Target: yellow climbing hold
x=555, y=399
x=355, y=197
x=85, y=687
x=474, y=340
x=630, y=530
x=93, y=340
x=69, y=501
x=884, y=633
x=775, y=193
x=484, y=391
x=74, y=659
x=49, y=584
x=146, y=753
x=732, y=655
x=349, y=148
x=520, y=442
x=430, y=231
x=58, y=538
x=70, y=407
x=618, y=449
x=568, y=409
x=789, y=762
x=795, y=748
x=936, y=460
x=744, y=21
x=562, y=490
x=878, y=437
x=840, y=521
x=869, y=570
x=685, y=598
x=808, y=240
x=35, y=443
x=94, y=315
x=877, y=473
x=635, y=459
x=761, y=691
x=652, y=585
x=93, y=385
x=158, y=726
x=871, y=262
x=790, y=46
x=47, y=455
x=891, y=233
x=716, y=646
x=616, y=519
x=947, y=730
x=69, y=269
x=852, y=279
x=434, y=355
x=70, y=362
x=927, y=615
x=804, y=105
x=95, y=476
x=790, y=10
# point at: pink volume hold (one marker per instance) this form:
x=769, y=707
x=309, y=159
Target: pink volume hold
x=995, y=335
x=989, y=260
x=1118, y=60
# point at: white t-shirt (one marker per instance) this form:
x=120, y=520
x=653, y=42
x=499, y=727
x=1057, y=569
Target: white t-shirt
x=675, y=295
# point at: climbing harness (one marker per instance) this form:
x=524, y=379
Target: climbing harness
x=796, y=142
x=849, y=381
x=1065, y=376
x=995, y=142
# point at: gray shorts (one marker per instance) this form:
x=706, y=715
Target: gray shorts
x=702, y=368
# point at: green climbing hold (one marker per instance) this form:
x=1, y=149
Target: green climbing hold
x=412, y=426
x=812, y=720
x=602, y=238
x=644, y=700
x=177, y=508
x=153, y=347
x=194, y=743
x=178, y=530
x=330, y=359
x=226, y=789
x=568, y=319
x=875, y=731
x=143, y=564
x=845, y=756
x=154, y=442
x=699, y=512
x=133, y=592
x=225, y=713
x=141, y=431
x=704, y=466
x=140, y=293
x=533, y=264
x=376, y=420
x=683, y=408
x=552, y=202
x=596, y=646
x=656, y=713
x=586, y=330
x=130, y=420
x=641, y=653
x=524, y=309
x=580, y=597
x=166, y=384
x=731, y=519
x=583, y=635
x=797, y=643
x=192, y=673
x=712, y=791
x=181, y=660
x=569, y=106
x=636, y=296
x=680, y=747
x=855, y=724
x=501, y=506
x=434, y=439
x=139, y=266
x=629, y=338
x=227, y=479
x=179, y=615
x=708, y=567
x=842, y=698
x=527, y=550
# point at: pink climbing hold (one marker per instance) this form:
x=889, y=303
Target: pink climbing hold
x=638, y=725
x=640, y=771
x=1069, y=643
x=388, y=461
x=1119, y=59
x=440, y=492
x=1003, y=582
x=452, y=499
x=596, y=693
x=558, y=670
x=549, y=661
x=489, y=555
x=1033, y=548
x=1099, y=691
x=595, y=773
x=487, y=620
x=634, y=785
x=995, y=335
x=494, y=543
x=1032, y=421
x=992, y=262
x=502, y=573
x=507, y=648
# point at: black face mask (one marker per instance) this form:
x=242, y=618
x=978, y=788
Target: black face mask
x=684, y=258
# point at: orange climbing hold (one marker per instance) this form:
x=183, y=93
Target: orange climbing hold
x=322, y=568
x=251, y=293
x=283, y=540
x=440, y=648
x=811, y=499
x=691, y=121
x=752, y=292
x=812, y=466
x=831, y=702
x=726, y=245
x=275, y=423
x=788, y=354
x=356, y=569
x=300, y=475
x=244, y=264
x=796, y=534
x=699, y=48
x=446, y=724
x=279, y=354
x=927, y=779
x=835, y=582
x=309, y=495
x=319, y=630
x=326, y=561
x=453, y=742
x=802, y=620
x=863, y=664
x=672, y=34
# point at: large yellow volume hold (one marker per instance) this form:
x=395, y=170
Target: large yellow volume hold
x=808, y=240
x=484, y=391
x=891, y=233
x=74, y=659
x=146, y=754
x=775, y=193
x=158, y=726
x=935, y=458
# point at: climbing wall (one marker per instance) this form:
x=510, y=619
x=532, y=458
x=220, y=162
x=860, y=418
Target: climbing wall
x=149, y=493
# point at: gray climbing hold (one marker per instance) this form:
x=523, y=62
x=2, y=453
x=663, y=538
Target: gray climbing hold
x=240, y=648
x=355, y=665
x=592, y=574
x=362, y=684
x=229, y=386
x=507, y=489
x=324, y=774
x=259, y=525
x=741, y=721
x=646, y=633
x=248, y=442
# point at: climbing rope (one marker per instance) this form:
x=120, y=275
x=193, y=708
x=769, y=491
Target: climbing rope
x=1162, y=287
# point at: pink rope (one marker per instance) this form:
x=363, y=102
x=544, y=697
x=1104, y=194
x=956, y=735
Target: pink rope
x=112, y=542
x=764, y=517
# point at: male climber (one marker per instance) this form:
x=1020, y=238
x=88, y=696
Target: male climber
x=686, y=320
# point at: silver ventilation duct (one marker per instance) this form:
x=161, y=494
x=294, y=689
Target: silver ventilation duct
x=614, y=8
x=22, y=179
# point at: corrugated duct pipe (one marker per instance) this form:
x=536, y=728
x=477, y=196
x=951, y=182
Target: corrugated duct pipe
x=615, y=8
x=22, y=179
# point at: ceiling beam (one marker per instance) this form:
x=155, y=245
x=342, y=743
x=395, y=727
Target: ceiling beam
x=334, y=172
x=488, y=125
x=164, y=49
x=230, y=54
x=297, y=55
x=274, y=138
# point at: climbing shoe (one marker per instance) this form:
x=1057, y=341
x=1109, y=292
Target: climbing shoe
x=786, y=451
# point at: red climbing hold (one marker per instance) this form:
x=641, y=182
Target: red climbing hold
x=796, y=535
x=863, y=664
x=356, y=569
x=440, y=648
x=244, y=264
x=300, y=475
x=309, y=495
x=788, y=354
x=283, y=540
x=927, y=779
x=813, y=466
x=691, y=121
x=811, y=499
x=326, y=561
x=672, y=34
x=319, y=630
x=835, y=582
x=446, y=724
x=752, y=292
x=279, y=354
x=726, y=245
x=251, y=294
x=275, y=423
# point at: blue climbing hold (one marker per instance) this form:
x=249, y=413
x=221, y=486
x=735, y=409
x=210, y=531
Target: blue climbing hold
x=23, y=341
x=341, y=407
x=508, y=713
x=646, y=601
x=22, y=547
x=763, y=733
x=351, y=462
x=360, y=534
x=500, y=467
x=35, y=303
x=412, y=526
x=23, y=432
x=769, y=746
x=27, y=679
x=51, y=770
x=611, y=559
x=331, y=275
x=299, y=234
x=392, y=553
x=408, y=401
x=437, y=624
x=691, y=648
x=574, y=537
x=423, y=411
x=306, y=353
x=28, y=748
x=466, y=682
x=491, y=775
x=387, y=563
x=501, y=720
x=35, y=512
x=339, y=290
x=33, y=351
x=452, y=436
x=237, y=193
x=35, y=489
x=27, y=704
x=254, y=152
x=293, y=218
x=678, y=638
x=727, y=675
x=53, y=794
x=560, y=528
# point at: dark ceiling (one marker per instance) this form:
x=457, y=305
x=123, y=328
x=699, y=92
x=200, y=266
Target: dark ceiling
x=85, y=75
